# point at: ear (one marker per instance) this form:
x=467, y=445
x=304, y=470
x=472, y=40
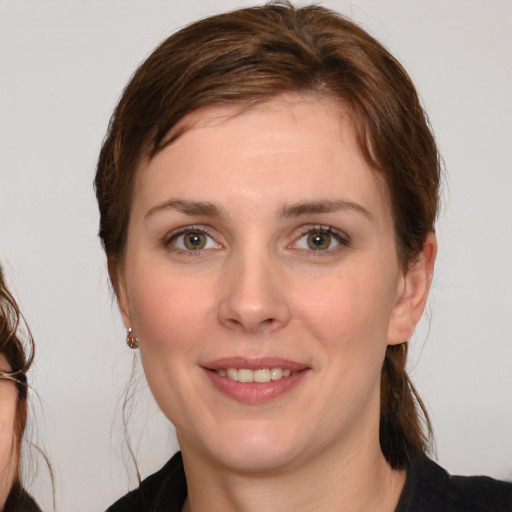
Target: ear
x=413, y=294
x=118, y=282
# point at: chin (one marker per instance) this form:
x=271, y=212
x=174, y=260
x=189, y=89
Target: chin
x=257, y=450
x=252, y=458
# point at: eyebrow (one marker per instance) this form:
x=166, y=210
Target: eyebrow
x=196, y=208
x=205, y=208
x=324, y=206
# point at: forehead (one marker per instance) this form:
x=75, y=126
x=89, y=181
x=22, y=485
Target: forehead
x=292, y=137
x=293, y=104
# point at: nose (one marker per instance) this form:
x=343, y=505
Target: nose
x=254, y=294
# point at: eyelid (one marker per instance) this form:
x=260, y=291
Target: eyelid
x=169, y=237
x=179, y=231
x=343, y=239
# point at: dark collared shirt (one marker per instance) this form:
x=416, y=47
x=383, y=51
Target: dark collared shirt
x=20, y=501
x=428, y=488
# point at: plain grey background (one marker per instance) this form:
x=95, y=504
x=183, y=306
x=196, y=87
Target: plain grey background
x=63, y=65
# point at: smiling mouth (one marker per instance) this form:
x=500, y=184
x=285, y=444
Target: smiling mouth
x=260, y=375
x=255, y=381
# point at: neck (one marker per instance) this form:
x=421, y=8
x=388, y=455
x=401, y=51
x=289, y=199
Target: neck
x=332, y=482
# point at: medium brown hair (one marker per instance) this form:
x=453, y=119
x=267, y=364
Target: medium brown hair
x=246, y=57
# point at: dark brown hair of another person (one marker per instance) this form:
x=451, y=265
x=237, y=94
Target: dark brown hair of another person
x=17, y=345
x=19, y=356
x=247, y=57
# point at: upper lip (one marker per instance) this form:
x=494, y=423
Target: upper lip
x=254, y=363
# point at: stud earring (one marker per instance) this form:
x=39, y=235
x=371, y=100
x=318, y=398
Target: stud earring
x=132, y=341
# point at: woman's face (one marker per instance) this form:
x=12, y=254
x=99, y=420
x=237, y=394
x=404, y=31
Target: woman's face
x=8, y=398
x=261, y=248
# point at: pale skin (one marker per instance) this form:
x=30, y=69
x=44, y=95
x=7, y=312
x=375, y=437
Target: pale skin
x=294, y=258
x=8, y=397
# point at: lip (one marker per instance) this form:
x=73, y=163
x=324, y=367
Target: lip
x=252, y=392
x=254, y=364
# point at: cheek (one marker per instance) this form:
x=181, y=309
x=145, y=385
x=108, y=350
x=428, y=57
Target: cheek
x=169, y=317
x=348, y=316
x=349, y=310
x=156, y=291
x=171, y=314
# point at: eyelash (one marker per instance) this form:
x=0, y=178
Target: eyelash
x=169, y=238
x=342, y=238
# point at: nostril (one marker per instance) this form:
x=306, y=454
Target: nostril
x=251, y=322
x=250, y=303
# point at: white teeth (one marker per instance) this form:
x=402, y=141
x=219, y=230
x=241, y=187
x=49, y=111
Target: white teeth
x=245, y=375
x=232, y=373
x=276, y=373
x=261, y=375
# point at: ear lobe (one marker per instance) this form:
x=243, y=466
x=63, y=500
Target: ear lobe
x=413, y=296
x=118, y=282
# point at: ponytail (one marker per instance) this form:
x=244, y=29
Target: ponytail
x=405, y=428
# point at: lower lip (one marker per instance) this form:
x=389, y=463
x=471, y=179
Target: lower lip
x=252, y=392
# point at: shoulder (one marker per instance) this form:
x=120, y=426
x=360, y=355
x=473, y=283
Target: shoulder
x=164, y=490
x=430, y=488
x=20, y=501
x=484, y=493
